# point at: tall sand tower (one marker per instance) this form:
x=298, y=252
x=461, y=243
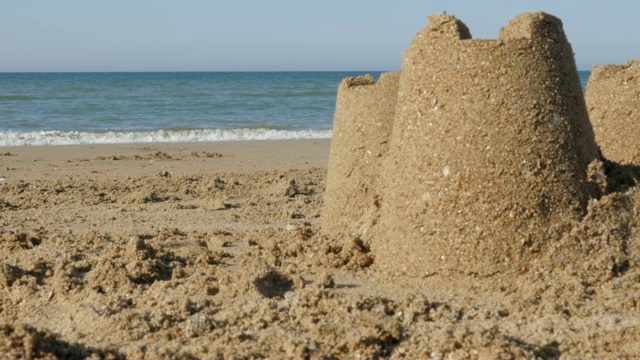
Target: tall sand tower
x=362, y=126
x=489, y=150
x=613, y=100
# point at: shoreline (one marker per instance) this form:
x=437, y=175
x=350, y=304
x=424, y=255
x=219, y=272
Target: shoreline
x=135, y=160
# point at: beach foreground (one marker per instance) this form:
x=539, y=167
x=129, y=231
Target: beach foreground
x=215, y=250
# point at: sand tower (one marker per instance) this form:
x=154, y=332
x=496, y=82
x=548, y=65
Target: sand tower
x=361, y=130
x=489, y=151
x=613, y=100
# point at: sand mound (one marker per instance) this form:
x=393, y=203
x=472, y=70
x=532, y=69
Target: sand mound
x=26, y=342
x=613, y=99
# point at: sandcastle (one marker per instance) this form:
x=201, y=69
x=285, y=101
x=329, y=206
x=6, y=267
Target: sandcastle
x=489, y=142
x=362, y=128
x=613, y=100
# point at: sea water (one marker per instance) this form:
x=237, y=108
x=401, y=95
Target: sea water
x=102, y=108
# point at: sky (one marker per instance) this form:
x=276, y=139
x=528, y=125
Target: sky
x=278, y=35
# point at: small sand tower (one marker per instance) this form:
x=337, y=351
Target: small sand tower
x=489, y=151
x=613, y=100
x=361, y=130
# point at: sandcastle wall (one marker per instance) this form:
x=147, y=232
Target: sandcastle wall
x=613, y=101
x=362, y=126
x=488, y=152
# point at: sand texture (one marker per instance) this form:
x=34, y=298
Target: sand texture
x=486, y=163
x=361, y=131
x=613, y=99
x=489, y=153
x=222, y=250
x=159, y=255
x=163, y=254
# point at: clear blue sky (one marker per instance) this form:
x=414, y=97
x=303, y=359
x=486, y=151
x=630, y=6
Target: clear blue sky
x=229, y=35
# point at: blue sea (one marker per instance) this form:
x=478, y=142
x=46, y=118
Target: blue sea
x=111, y=108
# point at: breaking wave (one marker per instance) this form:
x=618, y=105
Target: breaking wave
x=9, y=138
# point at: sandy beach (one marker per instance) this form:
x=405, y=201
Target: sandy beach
x=215, y=251
x=58, y=162
x=480, y=201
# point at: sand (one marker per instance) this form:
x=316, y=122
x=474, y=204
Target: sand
x=214, y=251
x=478, y=157
x=613, y=98
x=487, y=161
x=443, y=223
x=361, y=129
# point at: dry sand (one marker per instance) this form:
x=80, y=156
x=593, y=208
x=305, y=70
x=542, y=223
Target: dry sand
x=213, y=251
x=613, y=98
x=361, y=129
x=488, y=156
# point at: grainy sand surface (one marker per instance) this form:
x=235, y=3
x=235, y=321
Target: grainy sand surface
x=214, y=251
x=613, y=99
x=505, y=235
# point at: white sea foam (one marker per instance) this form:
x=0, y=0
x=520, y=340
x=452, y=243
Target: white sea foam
x=9, y=138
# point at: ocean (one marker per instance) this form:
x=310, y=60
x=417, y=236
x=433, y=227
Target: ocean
x=112, y=108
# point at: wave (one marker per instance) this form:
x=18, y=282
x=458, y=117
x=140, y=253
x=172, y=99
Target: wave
x=54, y=137
x=16, y=98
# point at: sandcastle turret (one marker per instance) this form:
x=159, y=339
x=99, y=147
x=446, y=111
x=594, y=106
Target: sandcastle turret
x=361, y=130
x=489, y=151
x=613, y=100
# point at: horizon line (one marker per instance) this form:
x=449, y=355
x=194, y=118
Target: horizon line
x=193, y=71
x=175, y=71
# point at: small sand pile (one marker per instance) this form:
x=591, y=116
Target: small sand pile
x=613, y=99
x=26, y=342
